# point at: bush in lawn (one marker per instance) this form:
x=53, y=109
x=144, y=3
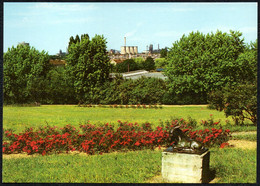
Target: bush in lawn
x=240, y=102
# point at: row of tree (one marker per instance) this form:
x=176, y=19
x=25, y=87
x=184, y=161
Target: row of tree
x=134, y=64
x=200, y=69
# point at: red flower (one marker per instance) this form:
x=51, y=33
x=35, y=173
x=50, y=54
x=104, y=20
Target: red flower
x=137, y=143
x=227, y=130
x=223, y=145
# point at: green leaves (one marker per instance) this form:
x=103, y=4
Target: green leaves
x=24, y=71
x=88, y=64
x=202, y=63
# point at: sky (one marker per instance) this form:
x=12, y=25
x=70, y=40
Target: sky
x=48, y=26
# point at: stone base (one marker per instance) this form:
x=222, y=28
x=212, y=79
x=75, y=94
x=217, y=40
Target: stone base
x=185, y=168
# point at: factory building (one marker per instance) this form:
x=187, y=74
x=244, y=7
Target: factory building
x=129, y=49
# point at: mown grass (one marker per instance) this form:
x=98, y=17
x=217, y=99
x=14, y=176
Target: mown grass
x=130, y=167
x=231, y=166
x=18, y=118
x=249, y=137
x=234, y=165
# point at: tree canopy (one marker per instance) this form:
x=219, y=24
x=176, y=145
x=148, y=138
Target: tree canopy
x=87, y=64
x=25, y=70
x=199, y=64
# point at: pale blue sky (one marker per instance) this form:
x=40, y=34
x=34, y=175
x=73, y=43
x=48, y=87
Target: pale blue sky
x=48, y=26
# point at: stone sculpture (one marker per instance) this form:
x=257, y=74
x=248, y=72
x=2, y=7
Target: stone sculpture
x=183, y=143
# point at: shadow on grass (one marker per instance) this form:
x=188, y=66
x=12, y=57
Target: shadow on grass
x=211, y=175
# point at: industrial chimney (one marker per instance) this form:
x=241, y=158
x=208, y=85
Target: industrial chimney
x=125, y=40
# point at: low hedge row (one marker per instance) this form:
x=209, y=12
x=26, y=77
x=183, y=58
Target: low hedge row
x=97, y=140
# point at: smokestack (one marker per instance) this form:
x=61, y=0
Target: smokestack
x=125, y=40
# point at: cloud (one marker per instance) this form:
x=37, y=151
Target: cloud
x=132, y=33
x=71, y=20
x=65, y=6
x=249, y=30
x=170, y=33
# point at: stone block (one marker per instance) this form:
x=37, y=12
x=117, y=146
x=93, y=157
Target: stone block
x=185, y=168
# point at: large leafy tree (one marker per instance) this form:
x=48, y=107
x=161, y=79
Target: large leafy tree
x=240, y=100
x=198, y=63
x=88, y=65
x=25, y=70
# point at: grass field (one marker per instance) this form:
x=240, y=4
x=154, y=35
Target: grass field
x=17, y=118
x=120, y=167
x=123, y=167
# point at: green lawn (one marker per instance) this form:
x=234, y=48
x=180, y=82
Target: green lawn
x=18, y=118
x=230, y=166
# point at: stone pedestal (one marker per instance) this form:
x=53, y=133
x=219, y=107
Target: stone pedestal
x=185, y=168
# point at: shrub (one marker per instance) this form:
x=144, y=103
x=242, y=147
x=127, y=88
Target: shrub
x=92, y=139
x=240, y=102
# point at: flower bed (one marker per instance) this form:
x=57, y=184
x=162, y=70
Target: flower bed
x=97, y=140
x=143, y=106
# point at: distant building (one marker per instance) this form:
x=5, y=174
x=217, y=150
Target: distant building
x=138, y=74
x=129, y=50
x=61, y=54
x=151, y=48
x=24, y=44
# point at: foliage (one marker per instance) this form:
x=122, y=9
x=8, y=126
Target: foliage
x=149, y=64
x=93, y=140
x=163, y=52
x=239, y=101
x=160, y=62
x=25, y=70
x=123, y=67
x=88, y=65
x=141, y=91
x=140, y=62
x=198, y=64
x=60, y=89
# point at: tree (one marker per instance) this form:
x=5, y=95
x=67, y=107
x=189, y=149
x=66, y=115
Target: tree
x=163, y=52
x=160, y=62
x=149, y=64
x=25, y=70
x=198, y=64
x=240, y=100
x=140, y=62
x=123, y=67
x=88, y=65
x=60, y=89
